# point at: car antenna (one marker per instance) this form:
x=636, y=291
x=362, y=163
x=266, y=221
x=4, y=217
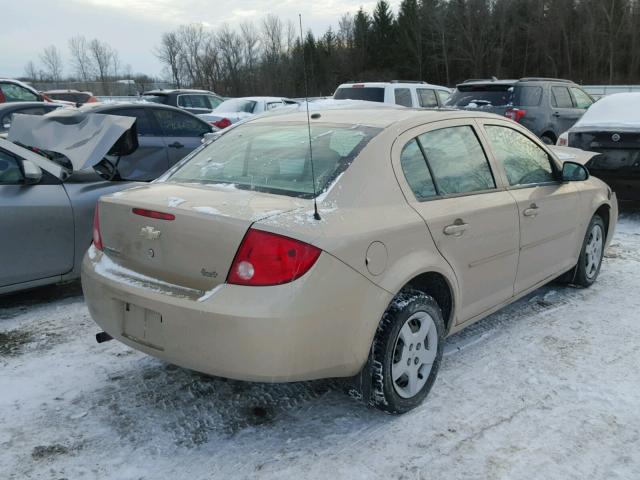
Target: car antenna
x=316, y=215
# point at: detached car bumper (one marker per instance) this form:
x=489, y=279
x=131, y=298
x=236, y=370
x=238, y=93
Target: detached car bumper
x=303, y=330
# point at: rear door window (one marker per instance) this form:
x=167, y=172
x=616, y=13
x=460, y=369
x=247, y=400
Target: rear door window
x=443, y=96
x=427, y=97
x=178, y=124
x=213, y=101
x=194, y=101
x=403, y=97
x=144, y=125
x=582, y=99
x=371, y=94
x=457, y=161
x=561, y=98
x=527, y=96
x=10, y=171
x=524, y=162
x=414, y=167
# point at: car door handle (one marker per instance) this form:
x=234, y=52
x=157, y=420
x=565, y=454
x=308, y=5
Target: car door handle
x=176, y=145
x=456, y=229
x=556, y=114
x=532, y=211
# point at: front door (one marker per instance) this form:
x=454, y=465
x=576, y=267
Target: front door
x=473, y=223
x=36, y=226
x=548, y=208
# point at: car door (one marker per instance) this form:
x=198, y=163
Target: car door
x=37, y=237
x=182, y=132
x=473, y=220
x=548, y=208
x=563, y=108
x=151, y=158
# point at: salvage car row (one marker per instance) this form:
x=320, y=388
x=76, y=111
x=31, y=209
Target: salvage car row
x=347, y=243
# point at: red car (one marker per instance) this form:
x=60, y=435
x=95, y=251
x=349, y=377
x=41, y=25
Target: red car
x=16, y=91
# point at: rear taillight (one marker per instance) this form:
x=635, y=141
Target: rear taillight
x=97, y=237
x=224, y=123
x=2, y=97
x=515, y=114
x=153, y=214
x=269, y=259
x=91, y=99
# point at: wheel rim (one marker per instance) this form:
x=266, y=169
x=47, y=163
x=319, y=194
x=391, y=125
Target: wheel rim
x=413, y=354
x=593, y=251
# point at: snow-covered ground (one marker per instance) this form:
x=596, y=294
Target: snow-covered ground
x=548, y=388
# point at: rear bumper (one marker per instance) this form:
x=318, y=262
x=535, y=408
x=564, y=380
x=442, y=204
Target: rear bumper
x=318, y=326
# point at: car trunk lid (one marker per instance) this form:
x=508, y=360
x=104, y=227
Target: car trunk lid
x=183, y=235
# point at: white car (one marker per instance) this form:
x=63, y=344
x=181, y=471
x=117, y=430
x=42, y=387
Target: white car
x=407, y=94
x=236, y=109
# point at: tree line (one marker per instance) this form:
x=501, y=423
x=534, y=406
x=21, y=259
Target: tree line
x=439, y=41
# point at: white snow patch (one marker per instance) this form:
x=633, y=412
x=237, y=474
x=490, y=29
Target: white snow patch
x=208, y=211
x=175, y=201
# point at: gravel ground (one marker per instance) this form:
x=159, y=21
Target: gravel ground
x=546, y=388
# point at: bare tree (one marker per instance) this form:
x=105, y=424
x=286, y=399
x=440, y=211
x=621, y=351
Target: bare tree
x=80, y=59
x=52, y=62
x=169, y=52
x=30, y=71
x=250, y=49
x=102, y=56
x=230, y=47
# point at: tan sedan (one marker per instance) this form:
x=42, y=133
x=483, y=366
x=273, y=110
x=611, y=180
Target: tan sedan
x=427, y=222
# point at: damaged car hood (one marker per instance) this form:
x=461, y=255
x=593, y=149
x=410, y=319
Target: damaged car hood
x=84, y=138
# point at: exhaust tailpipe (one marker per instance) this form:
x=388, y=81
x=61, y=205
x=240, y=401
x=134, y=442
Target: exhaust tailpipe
x=103, y=337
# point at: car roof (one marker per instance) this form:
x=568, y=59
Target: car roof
x=513, y=81
x=259, y=99
x=21, y=105
x=65, y=91
x=176, y=90
x=395, y=84
x=98, y=107
x=374, y=116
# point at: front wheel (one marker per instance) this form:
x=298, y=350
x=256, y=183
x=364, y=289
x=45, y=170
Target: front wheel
x=406, y=353
x=590, y=260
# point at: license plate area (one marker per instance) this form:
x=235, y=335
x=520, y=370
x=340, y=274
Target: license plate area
x=142, y=325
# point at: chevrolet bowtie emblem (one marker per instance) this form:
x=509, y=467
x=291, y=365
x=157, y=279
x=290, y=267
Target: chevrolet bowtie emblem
x=150, y=233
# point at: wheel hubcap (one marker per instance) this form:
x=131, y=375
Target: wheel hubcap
x=413, y=354
x=593, y=251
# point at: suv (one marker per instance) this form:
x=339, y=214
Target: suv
x=16, y=91
x=546, y=106
x=397, y=92
x=193, y=101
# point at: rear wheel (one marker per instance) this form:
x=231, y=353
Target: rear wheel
x=548, y=139
x=590, y=260
x=406, y=354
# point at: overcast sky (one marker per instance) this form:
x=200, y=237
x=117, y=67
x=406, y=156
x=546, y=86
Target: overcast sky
x=134, y=27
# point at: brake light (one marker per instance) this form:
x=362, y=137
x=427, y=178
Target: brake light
x=91, y=99
x=515, y=114
x=269, y=259
x=357, y=85
x=153, y=214
x=97, y=237
x=2, y=97
x=224, y=123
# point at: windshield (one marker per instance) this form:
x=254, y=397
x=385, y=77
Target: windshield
x=274, y=158
x=236, y=105
x=372, y=94
x=481, y=96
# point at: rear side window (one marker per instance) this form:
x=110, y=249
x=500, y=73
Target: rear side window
x=194, y=101
x=178, y=124
x=427, y=97
x=274, y=158
x=560, y=97
x=10, y=172
x=371, y=94
x=443, y=96
x=213, y=101
x=582, y=99
x=403, y=97
x=414, y=167
x=525, y=96
x=524, y=162
x=457, y=161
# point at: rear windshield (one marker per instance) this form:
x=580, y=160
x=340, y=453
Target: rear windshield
x=154, y=98
x=236, y=105
x=479, y=96
x=274, y=158
x=372, y=94
x=69, y=97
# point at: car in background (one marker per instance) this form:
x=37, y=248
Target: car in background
x=46, y=209
x=546, y=106
x=611, y=127
x=17, y=91
x=7, y=110
x=165, y=135
x=249, y=261
x=193, y=101
x=236, y=109
x=74, y=96
x=397, y=92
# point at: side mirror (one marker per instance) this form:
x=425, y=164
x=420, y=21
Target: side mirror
x=32, y=172
x=574, y=172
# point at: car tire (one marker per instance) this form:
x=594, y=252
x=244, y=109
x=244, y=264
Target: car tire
x=586, y=271
x=408, y=347
x=547, y=140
